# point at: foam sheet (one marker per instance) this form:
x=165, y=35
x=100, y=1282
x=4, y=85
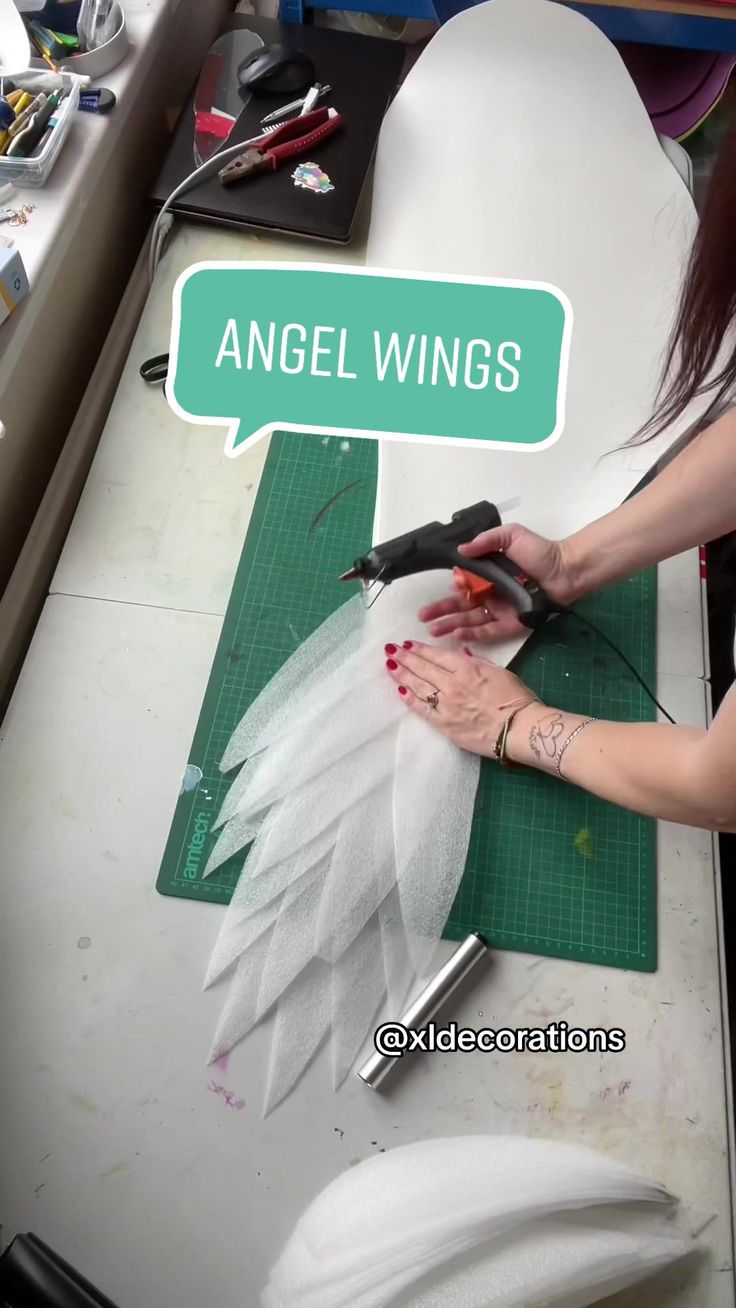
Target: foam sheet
x=477, y=1221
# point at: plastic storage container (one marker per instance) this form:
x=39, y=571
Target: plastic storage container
x=34, y=171
x=95, y=63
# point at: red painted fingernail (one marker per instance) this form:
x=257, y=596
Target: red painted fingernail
x=390, y=649
x=391, y=665
x=408, y=644
x=403, y=690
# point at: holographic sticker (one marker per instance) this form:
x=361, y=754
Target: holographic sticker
x=309, y=177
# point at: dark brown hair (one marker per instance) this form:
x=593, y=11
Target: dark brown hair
x=707, y=306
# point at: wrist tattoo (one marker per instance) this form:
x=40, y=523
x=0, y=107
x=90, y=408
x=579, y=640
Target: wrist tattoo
x=545, y=734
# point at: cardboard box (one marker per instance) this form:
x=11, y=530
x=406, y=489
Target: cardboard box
x=13, y=281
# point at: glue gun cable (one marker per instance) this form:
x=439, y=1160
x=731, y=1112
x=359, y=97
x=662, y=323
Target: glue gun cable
x=573, y=613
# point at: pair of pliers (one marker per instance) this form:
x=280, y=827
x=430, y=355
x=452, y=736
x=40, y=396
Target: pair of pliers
x=295, y=137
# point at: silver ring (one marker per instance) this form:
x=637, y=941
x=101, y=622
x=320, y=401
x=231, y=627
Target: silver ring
x=433, y=699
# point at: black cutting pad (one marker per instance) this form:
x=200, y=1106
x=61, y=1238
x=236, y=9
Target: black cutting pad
x=363, y=73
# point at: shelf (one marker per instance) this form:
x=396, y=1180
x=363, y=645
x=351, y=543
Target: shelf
x=690, y=8
x=682, y=23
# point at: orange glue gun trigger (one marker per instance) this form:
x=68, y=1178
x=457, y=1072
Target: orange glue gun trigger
x=472, y=586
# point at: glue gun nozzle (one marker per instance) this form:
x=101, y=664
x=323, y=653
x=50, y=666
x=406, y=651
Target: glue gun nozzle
x=352, y=575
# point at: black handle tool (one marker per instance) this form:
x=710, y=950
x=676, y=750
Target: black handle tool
x=155, y=370
x=33, y=1276
x=435, y=546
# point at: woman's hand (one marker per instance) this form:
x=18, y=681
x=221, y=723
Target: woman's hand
x=466, y=698
x=493, y=618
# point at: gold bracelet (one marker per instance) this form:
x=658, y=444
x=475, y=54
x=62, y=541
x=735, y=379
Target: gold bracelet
x=499, y=751
x=569, y=741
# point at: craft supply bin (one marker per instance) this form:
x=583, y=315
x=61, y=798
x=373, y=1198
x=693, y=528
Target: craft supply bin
x=34, y=171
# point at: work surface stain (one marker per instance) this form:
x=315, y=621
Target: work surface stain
x=82, y=1103
x=584, y=843
x=113, y=1171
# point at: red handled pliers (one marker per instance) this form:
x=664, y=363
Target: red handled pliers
x=295, y=137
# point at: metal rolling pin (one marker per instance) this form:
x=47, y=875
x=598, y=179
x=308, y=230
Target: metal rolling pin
x=426, y=1004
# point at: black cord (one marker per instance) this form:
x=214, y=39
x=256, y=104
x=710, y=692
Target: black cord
x=573, y=613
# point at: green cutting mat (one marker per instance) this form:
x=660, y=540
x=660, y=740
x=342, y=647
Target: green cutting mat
x=550, y=870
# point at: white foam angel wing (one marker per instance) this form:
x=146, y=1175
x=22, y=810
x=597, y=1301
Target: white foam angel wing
x=359, y=813
x=344, y=869
x=491, y=1221
x=562, y=1263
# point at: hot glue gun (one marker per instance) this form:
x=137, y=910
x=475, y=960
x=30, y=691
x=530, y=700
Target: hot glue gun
x=435, y=546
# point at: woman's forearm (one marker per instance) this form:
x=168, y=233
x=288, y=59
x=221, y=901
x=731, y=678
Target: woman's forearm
x=691, y=502
x=677, y=774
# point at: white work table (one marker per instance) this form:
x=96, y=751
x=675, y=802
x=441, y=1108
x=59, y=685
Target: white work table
x=118, y=1146
x=78, y=245
x=60, y=207
x=45, y=239
x=70, y=247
